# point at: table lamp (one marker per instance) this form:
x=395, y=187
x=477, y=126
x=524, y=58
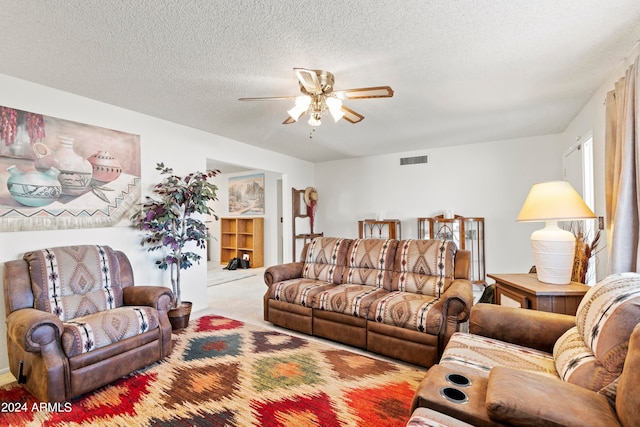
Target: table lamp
x=554, y=248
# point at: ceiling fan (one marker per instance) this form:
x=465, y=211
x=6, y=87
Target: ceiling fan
x=318, y=98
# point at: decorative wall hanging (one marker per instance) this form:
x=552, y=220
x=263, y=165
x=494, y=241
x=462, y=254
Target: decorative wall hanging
x=58, y=174
x=246, y=195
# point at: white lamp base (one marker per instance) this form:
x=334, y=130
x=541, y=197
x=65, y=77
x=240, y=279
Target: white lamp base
x=553, y=252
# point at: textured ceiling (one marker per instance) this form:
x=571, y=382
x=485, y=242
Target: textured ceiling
x=463, y=71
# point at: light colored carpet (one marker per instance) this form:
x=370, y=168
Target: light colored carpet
x=220, y=276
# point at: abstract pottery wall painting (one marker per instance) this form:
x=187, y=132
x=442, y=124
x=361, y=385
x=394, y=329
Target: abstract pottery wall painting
x=57, y=174
x=246, y=195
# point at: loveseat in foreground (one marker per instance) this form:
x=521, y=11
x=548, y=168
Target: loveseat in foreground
x=398, y=298
x=533, y=368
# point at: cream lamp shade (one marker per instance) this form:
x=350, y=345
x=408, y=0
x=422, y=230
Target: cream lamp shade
x=554, y=248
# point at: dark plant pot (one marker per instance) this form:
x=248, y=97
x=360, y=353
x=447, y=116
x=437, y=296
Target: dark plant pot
x=179, y=316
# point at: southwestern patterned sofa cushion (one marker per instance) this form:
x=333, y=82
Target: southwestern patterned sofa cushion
x=367, y=277
x=576, y=363
x=425, y=417
x=349, y=299
x=325, y=259
x=477, y=355
x=98, y=330
x=370, y=262
x=607, y=315
x=423, y=269
x=424, y=266
x=408, y=310
x=323, y=267
x=75, y=281
x=299, y=291
x=592, y=353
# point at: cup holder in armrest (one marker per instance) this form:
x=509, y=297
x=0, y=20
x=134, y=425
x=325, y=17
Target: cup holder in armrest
x=454, y=395
x=458, y=379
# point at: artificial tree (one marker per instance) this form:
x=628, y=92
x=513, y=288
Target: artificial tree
x=168, y=220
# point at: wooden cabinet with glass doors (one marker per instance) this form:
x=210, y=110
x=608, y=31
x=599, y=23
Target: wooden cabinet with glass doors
x=466, y=233
x=379, y=229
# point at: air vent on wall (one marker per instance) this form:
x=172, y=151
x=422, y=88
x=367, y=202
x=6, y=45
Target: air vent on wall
x=413, y=160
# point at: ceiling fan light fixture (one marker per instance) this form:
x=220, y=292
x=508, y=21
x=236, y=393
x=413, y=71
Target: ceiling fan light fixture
x=319, y=98
x=301, y=105
x=314, y=121
x=295, y=113
x=335, y=107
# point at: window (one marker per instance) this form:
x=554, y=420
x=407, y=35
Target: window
x=578, y=170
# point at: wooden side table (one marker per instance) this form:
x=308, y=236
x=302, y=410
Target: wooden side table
x=526, y=291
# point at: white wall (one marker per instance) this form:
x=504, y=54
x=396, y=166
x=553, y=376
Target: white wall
x=489, y=180
x=185, y=149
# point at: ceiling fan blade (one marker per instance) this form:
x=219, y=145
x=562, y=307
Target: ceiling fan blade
x=267, y=98
x=365, y=92
x=309, y=80
x=351, y=116
x=288, y=121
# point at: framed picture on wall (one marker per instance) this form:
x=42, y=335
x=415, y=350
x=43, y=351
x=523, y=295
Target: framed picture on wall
x=60, y=174
x=246, y=194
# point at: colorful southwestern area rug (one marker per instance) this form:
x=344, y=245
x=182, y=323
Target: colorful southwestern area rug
x=223, y=372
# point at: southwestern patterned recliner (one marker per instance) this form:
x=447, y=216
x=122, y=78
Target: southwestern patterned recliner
x=529, y=367
x=75, y=320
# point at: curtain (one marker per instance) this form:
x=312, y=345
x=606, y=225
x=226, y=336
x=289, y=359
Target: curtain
x=622, y=173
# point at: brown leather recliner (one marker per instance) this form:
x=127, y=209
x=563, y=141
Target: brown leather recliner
x=530, y=367
x=75, y=320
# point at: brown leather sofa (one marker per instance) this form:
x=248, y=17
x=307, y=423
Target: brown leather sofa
x=528, y=367
x=398, y=298
x=75, y=320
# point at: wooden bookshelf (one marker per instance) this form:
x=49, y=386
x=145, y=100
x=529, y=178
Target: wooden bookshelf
x=242, y=235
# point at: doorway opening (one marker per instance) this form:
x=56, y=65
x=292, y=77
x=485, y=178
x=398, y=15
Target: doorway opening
x=273, y=233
